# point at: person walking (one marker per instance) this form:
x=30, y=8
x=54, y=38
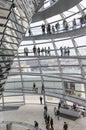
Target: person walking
x=45, y=115
x=55, y=111
x=45, y=108
x=48, y=126
x=48, y=119
x=59, y=105
x=58, y=114
x=36, y=124
x=51, y=123
x=65, y=126
x=40, y=100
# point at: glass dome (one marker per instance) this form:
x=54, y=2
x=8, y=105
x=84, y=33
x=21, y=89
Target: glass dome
x=53, y=60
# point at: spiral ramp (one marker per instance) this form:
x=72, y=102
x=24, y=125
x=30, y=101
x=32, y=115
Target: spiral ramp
x=53, y=71
x=57, y=7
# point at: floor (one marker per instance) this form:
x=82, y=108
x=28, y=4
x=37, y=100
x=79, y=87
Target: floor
x=31, y=112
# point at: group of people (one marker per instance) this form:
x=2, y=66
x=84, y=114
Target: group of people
x=49, y=123
x=48, y=28
x=57, y=113
x=35, y=88
x=48, y=119
x=41, y=51
x=74, y=107
x=65, y=51
x=44, y=51
x=53, y=28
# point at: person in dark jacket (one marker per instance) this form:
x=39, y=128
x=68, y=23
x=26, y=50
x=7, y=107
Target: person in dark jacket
x=65, y=126
x=58, y=114
x=51, y=123
x=35, y=124
x=40, y=100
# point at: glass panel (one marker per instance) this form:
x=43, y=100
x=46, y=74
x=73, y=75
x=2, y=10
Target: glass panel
x=54, y=18
x=83, y=2
x=4, y=13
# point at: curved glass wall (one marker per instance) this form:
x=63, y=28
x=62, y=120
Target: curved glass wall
x=57, y=69
x=14, y=20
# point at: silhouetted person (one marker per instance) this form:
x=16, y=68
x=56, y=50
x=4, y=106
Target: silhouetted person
x=38, y=50
x=48, y=29
x=48, y=50
x=36, y=124
x=40, y=100
x=45, y=107
x=48, y=119
x=26, y=51
x=29, y=31
x=34, y=50
x=43, y=28
x=59, y=105
x=58, y=114
x=51, y=123
x=74, y=23
x=82, y=21
x=34, y=86
x=74, y=106
x=43, y=89
x=42, y=51
x=68, y=51
x=65, y=126
x=45, y=115
x=45, y=51
x=61, y=49
x=65, y=51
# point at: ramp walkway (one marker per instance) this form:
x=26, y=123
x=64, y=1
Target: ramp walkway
x=57, y=8
x=81, y=31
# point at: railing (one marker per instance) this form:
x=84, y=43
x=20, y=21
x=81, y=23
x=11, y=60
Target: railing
x=72, y=98
x=9, y=124
x=38, y=31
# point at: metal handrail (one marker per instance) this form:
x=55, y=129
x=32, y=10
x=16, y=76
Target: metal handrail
x=30, y=126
